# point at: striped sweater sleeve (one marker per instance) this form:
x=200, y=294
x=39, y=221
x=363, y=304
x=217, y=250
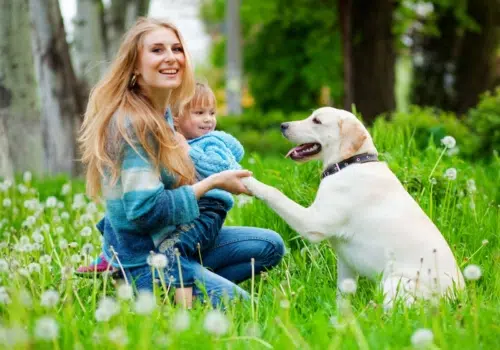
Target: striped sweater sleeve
x=145, y=200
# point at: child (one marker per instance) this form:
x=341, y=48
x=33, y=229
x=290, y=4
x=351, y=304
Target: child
x=211, y=152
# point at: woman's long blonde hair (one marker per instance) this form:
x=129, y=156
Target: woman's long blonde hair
x=114, y=96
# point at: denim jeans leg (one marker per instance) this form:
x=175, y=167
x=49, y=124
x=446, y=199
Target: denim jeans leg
x=236, y=246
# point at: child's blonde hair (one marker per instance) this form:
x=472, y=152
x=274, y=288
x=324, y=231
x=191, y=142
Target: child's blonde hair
x=203, y=97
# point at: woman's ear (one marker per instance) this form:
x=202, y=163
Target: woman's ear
x=352, y=137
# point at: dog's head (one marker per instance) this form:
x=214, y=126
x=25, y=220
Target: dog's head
x=328, y=134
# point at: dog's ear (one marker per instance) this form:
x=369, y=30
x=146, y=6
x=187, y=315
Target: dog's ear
x=352, y=136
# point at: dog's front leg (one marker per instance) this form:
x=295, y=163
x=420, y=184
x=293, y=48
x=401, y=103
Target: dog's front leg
x=303, y=220
x=344, y=272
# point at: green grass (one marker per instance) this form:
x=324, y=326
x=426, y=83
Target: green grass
x=294, y=305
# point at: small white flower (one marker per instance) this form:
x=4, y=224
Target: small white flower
x=472, y=272
x=86, y=231
x=483, y=242
x=34, y=267
x=45, y=259
x=145, y=303
x=75, y=258
x=216, y=323
x=4, y=296
x=6, y=202
x=118, y=336
x=23, y=272
x=4, y=266
x=348, y=286
x=78, y=201
x=253, y=330
x=125, y=292
x=65, y=189
x=423, y=9
x=15, y=336
x=471, y=186
x=449, y=141
x=25, y=298
x=63, y=244
x=181, y=320
x=37, y=237
x=49, y=298
x=85, y=218
x=453, y=151
x=284, y=304
x=27, y=176
x=46, y=328
x=65, y=215
x=158, y=261
x=87, y=249
x=422, y=338
x=106, y=309
x=73, y=245
x=450, y=174
x=91, y=208
x=22, y=189
x=51, y=202
x=29, y=222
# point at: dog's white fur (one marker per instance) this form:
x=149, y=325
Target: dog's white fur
x=376, y=228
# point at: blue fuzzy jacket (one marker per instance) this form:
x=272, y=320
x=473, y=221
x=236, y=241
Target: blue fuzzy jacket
x=215, y=152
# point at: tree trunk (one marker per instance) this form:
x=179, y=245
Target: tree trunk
x=233, y=57
x=119, y=18
x=90, y=56
x=373, y=57
x=433, y=77
x=345, y=9
x=6, y=166
x=57, y=85
x=19, y=112
x=476, y=63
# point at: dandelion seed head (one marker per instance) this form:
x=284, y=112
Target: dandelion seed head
x=145, y=303
x=450, y=174
x=158, y=261
x=484, y=242
x=125, y=292
x=4, y=266
x=34, y=267
x=49, y=298
x=6, y=202
x=22, y=189
x=86, y=231
x=51, y=202
x=27, y=176
x=449, y=141
x=472, y=272
x=46, y=328
x=118, y=336
x=422, y=338
x=216, y=322
x=181, y=320
x=66, y=188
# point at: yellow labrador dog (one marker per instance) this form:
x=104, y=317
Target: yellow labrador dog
x=375, y=227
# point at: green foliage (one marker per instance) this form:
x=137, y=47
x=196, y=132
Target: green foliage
x=290, y=46
x=485, y=121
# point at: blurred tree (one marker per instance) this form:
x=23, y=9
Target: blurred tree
x=233, y=57
x=21, y=145
x=454, y=60
x=291, y=50
x=57, y=87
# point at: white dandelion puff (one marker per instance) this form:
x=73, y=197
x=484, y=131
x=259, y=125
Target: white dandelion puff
x=86, y=231
x=45, y=259
x=422, y=338
x=27, y=176
x=107, y=308
x=66, y=188
x=63, y=244
x=51, y=202
x=34, y=267
x=7, y=202
x=49, y=298
x=22, y=189
x=216, y=323
x=158, y=261
x=125, y=292
x=37, y=237
x=4, y=266
x=181, y=320
x=73, y=245
x=46, y=328
x=472, y=272
x=471, y=186
x=65, y=215
x=348, y=286
x=75, y=258
x=483, y=242
x=145, y=303
x=449, y=141
x=118, y=336
x=450, y=174
x=87, y=249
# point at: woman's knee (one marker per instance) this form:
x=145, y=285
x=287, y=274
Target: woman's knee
x=272, y=248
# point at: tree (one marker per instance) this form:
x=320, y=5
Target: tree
x=21, y=143
x=57, y=86
x=233, y=57
x=373, y=57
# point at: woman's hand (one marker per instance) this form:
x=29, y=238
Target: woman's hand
x=230, y=180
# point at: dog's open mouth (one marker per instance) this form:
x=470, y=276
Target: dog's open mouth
x=304, y=151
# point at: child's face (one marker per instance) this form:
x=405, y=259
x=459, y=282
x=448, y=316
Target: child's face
x=197, y=122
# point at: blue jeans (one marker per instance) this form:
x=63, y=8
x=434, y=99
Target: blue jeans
x=223, y=265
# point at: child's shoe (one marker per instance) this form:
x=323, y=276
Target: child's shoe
x=98, y=266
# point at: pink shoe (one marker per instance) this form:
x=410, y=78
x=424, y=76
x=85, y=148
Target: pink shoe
x=98, y=266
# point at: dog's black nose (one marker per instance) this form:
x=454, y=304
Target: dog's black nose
x=284, y=126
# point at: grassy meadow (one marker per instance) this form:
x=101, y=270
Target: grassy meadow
x=47, y=230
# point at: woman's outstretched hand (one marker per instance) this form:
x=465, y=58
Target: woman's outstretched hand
x=230, y=180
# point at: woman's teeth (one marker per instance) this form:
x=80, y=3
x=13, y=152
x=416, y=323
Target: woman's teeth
x=168, y=71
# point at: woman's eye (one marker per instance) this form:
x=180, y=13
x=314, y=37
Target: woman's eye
x=177, y=49
x=316, y=121
x=157, y=50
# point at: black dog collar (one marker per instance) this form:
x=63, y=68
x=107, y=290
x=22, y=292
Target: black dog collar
x=359, y=158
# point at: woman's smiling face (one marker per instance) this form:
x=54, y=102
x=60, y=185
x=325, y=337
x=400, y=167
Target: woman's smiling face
x=161, y=60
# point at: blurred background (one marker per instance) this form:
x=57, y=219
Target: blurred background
x=432, y=66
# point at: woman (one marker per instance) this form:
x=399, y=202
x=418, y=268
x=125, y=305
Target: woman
x=133, y=159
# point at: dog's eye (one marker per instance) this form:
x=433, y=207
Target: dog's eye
x=316, y=120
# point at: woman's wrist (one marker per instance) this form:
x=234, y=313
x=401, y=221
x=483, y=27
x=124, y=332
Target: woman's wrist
x=205, y=185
